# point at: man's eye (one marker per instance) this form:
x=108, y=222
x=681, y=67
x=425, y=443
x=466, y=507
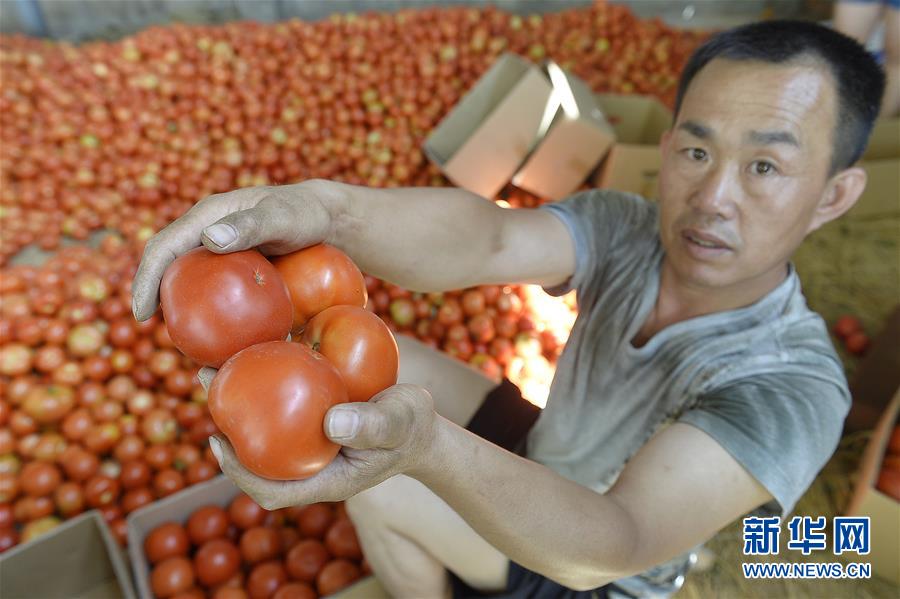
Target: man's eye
x=696, y=154
x=761, y=167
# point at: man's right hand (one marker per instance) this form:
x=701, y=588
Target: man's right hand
x=275, y=219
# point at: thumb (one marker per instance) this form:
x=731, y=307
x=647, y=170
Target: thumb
x=385, y=422
x=237, y=231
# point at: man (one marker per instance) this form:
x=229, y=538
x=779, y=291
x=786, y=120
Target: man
x=696, y=385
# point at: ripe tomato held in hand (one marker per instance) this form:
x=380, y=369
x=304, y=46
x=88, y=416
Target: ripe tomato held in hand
x=270, y=401
x=215, y=305
x=319, y=277
x=359, y=345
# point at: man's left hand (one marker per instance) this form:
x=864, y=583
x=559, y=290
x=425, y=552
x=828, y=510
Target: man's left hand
x=388, y=435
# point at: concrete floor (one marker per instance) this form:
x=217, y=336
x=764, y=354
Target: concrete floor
x=79, y=20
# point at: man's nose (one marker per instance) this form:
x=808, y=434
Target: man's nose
x=715, y=194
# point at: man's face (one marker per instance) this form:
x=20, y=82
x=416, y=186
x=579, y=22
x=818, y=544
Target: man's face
x=744, y=169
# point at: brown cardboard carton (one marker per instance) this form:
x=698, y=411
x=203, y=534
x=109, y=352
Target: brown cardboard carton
x=178, y=508
x=883, y=510
x=885, y=140
x=482, y=142
x=77, y=560
x=573, y=138
x=633, y=162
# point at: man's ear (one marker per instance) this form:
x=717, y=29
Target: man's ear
x=841, y=193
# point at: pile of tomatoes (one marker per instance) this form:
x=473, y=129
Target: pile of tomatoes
x=128, y=135
x=242, y=551
x=96, y=410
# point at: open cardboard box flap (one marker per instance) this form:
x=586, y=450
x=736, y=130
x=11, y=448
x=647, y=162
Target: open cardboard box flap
x=633, y=162
x=573, y=138
x=483, y=140
x=79, y=559
x=539, y=127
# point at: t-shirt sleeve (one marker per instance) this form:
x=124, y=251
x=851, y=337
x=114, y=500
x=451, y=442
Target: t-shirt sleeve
x=781, y=428
x=599, y=221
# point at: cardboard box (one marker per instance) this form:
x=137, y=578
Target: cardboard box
x=884, y=141
x=178, y=508
x=77, y=560
x=574, y=137
x=883, y=510
x=482, y=142
x=633, y=162
x=537, y=126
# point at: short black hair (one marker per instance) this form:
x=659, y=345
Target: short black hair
x=859, y=78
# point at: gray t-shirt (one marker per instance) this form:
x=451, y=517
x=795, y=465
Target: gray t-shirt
x=763, y=380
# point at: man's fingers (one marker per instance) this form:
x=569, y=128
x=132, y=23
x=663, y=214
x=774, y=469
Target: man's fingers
x=383, y=422
x=270, y=494
x=264, y=225
x=206, y=375
x=178, y=237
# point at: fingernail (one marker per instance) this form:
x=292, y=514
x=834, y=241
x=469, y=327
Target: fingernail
x=221, y=235
x=342, y=424
x=216, y=449
x=134, y=307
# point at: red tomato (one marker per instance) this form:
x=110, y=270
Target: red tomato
x=259, y=544
x=359, y=345
x=8, y=538
x=172, y=576
x=207, y=523
x=306, y=559
x=49, y=404
x=341, y=540
x=245, y=513
x=319, y=277
x=265, y=578
x=167, y=482
x=216, y=561
x=69, y=499
x=101, y=491
x=216, y=305
x=39, y=478
x=847, y=325
x=336, y=575
x=135, y=499
x=165, y=541
x=857, y=343
x=270, y=401
x=200, y=471
x=79, y=464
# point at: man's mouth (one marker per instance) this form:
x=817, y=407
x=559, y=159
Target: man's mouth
x=705, y=240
